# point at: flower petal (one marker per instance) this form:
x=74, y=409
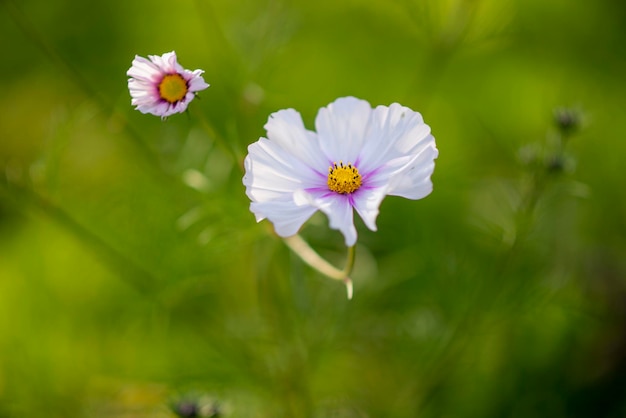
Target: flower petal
x=196, y=82
x=341, y=128
x=272, y=177
x=286, y=216
x=395, y=131
x=337, y=207
x=269, y=168
x=286, y=129
x=413, y=180
x=143, y=70
x=367, y=202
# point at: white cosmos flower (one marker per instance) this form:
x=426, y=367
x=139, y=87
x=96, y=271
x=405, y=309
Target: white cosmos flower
x=358, y=156
x=160, y=85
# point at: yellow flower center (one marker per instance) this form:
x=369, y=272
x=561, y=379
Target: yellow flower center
x=173, y=88
x=343, y=179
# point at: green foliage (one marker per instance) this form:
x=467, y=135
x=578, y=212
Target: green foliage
x=133, y=276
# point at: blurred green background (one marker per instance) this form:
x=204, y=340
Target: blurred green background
x=133, y=277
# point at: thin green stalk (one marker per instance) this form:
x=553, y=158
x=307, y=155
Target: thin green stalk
x=127, y=269
x=215, y=136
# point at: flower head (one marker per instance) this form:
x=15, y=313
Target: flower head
x=358, y=156
x=162, y=87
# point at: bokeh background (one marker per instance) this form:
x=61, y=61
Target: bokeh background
x=134, y=282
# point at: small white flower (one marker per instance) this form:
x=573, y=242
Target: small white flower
x=358, y=156
x=162, y=87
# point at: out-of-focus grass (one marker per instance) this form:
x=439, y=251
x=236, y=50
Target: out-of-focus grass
x=132, y=273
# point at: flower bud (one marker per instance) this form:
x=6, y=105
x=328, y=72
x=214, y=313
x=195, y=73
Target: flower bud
x=567, y=120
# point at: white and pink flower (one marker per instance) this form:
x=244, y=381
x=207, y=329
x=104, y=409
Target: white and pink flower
x=358, y=156
x=161, y=86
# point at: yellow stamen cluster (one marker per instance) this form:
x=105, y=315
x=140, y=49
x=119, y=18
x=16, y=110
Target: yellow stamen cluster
x=343, y=179
x=173, y=88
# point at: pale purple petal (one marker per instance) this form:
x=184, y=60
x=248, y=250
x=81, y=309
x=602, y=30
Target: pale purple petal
x=336, y=206
x=197, y=83
x=143, y=70
x=171, y=64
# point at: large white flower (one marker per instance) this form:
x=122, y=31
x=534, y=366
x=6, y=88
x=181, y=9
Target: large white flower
x=358, y=156
x=162, y=87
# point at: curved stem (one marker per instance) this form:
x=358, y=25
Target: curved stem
x=299, y=246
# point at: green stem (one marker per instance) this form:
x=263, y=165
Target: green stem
x=299, y=246
x=125, y=267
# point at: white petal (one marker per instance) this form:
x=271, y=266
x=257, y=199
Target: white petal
x=142, y=69
x=172, y=64
x=337, y=207
x=286, y=129
x=271, y=171
x=286, y=216
x=395, y=131
x=341, y=128
x=413, y=180
x=143, y=95
x=340, y=215
x=145, y=108
x=367, y=202
x=272, y=177
x=166, y=62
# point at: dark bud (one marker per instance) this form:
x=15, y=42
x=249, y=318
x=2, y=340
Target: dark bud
x=187, y=409
x=567, y=120
x=560, y=163
x=555, y=164
x=196, y=406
